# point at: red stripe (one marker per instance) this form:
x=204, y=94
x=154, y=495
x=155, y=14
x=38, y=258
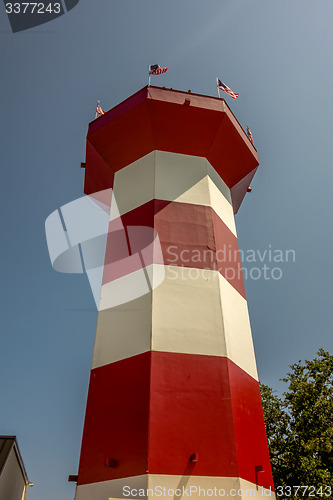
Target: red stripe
x=192, y=404
x=210, y=406
x=162, y=122
x=239, y=190
x=249, y=427
x=191, y=236
x=116, y=421
x=98, y=174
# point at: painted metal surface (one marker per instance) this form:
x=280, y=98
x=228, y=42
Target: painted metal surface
x=123, y=331
x=154, y=484
x=189, y=235
x=98, y=175
x=232, y=486
x=205, y=315
x=173, y=373
x=151, y=411
x=111, y=489
x=219, y=138
x=173, y=177
x=116, y=422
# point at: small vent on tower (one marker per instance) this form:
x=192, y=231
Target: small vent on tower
x=258, y=469
x=72, y=479
x=110, y=462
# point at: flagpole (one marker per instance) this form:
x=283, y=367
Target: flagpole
x=96, y=108
x=148, y=75
x=218, y=90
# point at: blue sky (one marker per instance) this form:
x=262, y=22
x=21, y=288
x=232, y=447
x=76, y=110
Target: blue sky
x=277, y=55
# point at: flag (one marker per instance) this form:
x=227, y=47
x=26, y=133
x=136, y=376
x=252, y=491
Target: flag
x=100, y=111
x=250, y=136
x=225, y=88
x=155, y=69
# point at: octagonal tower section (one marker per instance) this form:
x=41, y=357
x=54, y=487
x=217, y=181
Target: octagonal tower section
x=173, y=403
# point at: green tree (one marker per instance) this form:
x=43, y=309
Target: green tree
x=299, y=428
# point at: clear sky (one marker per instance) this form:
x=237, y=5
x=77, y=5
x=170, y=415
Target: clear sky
x=277, y=54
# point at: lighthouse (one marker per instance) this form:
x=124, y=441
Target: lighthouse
x=174, y=407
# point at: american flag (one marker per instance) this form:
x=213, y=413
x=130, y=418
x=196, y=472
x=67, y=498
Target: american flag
x=249, y=134
x=100, y=111
x=155, y=69
x=225, y=88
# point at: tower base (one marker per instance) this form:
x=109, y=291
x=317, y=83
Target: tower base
x=150, y=486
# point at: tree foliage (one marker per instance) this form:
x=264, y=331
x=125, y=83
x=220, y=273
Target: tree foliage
x=299, y=427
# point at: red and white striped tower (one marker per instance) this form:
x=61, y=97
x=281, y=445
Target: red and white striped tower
x=174, y=397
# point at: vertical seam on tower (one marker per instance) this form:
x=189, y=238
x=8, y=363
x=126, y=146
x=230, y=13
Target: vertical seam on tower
x=233, y=419
x=98, y=152
x=151, y=321
x=150, y=123
x=149, y=410
x=214, y=139
x=153, y=263
x=217, y=275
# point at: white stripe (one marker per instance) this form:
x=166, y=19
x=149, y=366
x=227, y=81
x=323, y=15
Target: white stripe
x=234, y=487
x=104, y=490
x=172, y=177
x=191, y=311
x=199, y=312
